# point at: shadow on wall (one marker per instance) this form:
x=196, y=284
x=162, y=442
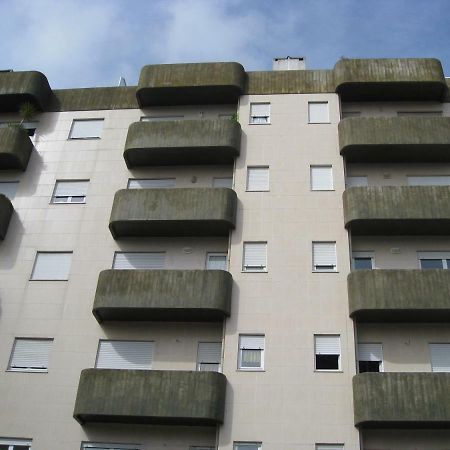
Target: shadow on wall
x=9, y=248
x=30, y=178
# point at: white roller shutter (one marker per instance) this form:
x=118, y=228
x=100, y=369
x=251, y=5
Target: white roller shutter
x=151, y=183
x=252, y=342
x=255, y=256
x=370, y=352
x=30, y=354
x=225, y=182
x=440, y=357
x=329, y=447
x=9, y=188
x=209, y=356
x=324, y=255
x=139, y=260
x=434, y=180
x=327, y=345
x=91, y=128
x=259, y=112
x=321, y=178
x=75, y=188
x=52, y=266
x=356, y=181
x=257, y=179
x=124, y=355
x=318, y=112
x=216, y=261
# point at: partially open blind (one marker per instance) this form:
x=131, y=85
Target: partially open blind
x=252, y=342
x=139, y=260
x=369, y=352
x=125, y=355
x=328, y=345
x=255, y=255
x=324, y=255
x=260, y=109
x=440, y=357
x=30, y=354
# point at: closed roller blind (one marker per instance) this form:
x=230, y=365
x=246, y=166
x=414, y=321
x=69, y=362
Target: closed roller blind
x=321, y=178
x=139, y=260
x=124, y=355
x=356, y=181
x=30, y=354
x=252, y=342
x=86, y=128
x=318, y=112
x=258, y=179
x=328, y=345
x=209, y=352
x=370, y=352
x=225, y=182
x=9, y=188
x=435, y=180
x=52, y=266
x=260, y=109
x=151, y=183
x=71, y=188
x=440, y=357
x=255, y=255
x=324, y=253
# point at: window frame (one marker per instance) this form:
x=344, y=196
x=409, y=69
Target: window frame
x=363, y=255
x=87, y=119
x=335, y=266
x=29, y=369
x=261, y=367
x=199, y=363
x=321, y=166
x=442, y=256
x=12, y=442
x=252, y=117
x=151, y=342
x=319, y=102
x=339, y=369
x=208, y=254
x=381, y=366
x=249, y=169
x=253, y=269
x=50, y=279
x=69, y=197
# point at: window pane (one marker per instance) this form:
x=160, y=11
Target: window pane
x=327, y=362
x=86, y=129
x=52, y=266
x=368, y=366
x=216, y=262
x=431, y=264
x=362, y=263
x=251, y=358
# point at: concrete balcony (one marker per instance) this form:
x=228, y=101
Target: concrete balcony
x=402, y=400
x=190, y=84
x=399, y=295
x=162, y=397
x=163, y=295
x=404, y=210
x=17, y=88
x=182, y=142
x=389, y=79
x=395, y=139
x=173, y=212
x=6, y=211
x=15, y=148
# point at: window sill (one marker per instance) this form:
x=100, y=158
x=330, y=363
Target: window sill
x=268, y=123
x=254, y=271
x=250, y=370
x=27, y=370
x=49, y=279
x=325, y=271
x=265, y=190
x=328, y=371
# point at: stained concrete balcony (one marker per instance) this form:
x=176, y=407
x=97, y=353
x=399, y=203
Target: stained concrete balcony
x=173, y=212
x=389, y=79
x=6, y=211
x=163, y=397
x=190, y=84
x=163, y=295
x=402, y=400
x=182, y=142
x=403, y=210
x=15, y=148
x=395, y=139
x=17, y=88
x=399, y=295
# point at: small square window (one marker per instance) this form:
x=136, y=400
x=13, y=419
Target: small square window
x=370, y=358
x=70, y=191
x=30, y=355
x=327, y=352
x=321, y=178
x=209, y=356
x=260, y=113
x=255, y=257
x=52, y=266
x=362, y=260
x=258, y=178
x=251, y=352
x=216, y=261
x=15, y=444
x=324, y=257
x=247, y=446
x=318, y=112
x=86, y=129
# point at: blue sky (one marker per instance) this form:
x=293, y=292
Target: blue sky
x=85, y=43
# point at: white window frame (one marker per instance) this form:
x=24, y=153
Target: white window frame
x=50, y=252
x=68, y=198
x=27, y=369
x=249, y=169
x=370, y=343
x=262, y=353
x=363, y=254
x=324, y=270
x=321, y=166
x=209, y=254
x=324, y=102
x=438, y=256
x=254, y=269
x=12, y=442
x=102, y=445
x=87, y=119
x=257, y=444
x=254, y=118
x=339, y=369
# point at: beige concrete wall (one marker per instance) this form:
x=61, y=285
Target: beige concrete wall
x=390, y=109
x=405, y=345
x=406, y=439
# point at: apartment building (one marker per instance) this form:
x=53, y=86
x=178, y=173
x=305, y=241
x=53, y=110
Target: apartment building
x=226, y=259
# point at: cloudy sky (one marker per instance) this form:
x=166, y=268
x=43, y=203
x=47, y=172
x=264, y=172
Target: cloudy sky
x=79, y=43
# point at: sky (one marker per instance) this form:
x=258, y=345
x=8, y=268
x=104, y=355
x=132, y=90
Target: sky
x=87, y=43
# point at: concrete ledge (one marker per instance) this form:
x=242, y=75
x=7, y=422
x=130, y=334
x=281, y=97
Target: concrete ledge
x=403, y=210
x=162, y=397
x=399, y=295
x=15, y=148
x=20, y=87
x=182, y=142
x=395, y=139
x=163, y=295
x=402, y=400
x=190, y=84
x=173, y=212
x=389, y=79
x=6, y=211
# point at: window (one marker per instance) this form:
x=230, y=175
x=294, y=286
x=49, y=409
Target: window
x=258, y=178
x=440, y=357
x=139, y=260
x=73, y=191
x=329, y=446
x=321, y=178
x=216, y=261
x=419, y=113
x=160, y=118
x=247, y=446
x=52, y=266
x=356, y=181
x=9, y=189
x=327, y=351
x=223, y=182
x=208, y=356
x=255, y=257
x=30, y=355
x=103, y=446
x=432, y=180
x=15, y=444
x=318, y=112
x=136, y=355
x=324, y=256
x=251, y=352
x=362, y=260
x=86, y=129
x=346, y=114
x=434, y=260
x=259, y=113
x=370, y=358
x=151, y=183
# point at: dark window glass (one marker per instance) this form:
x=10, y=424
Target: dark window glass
x=327, y=362
x=431, y=264
x=368, y=366
x=362, y=263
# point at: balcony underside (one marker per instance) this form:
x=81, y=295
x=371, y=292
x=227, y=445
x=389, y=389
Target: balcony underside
x=15, y=148
x=6, y=212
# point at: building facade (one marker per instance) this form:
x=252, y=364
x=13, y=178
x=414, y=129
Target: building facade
x=226, y=259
